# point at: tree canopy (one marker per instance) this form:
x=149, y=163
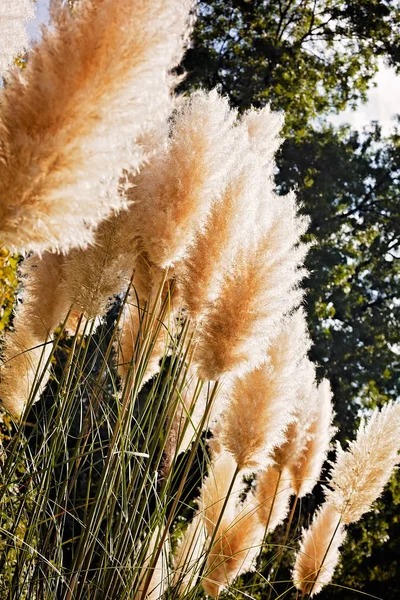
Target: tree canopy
x=307, y=57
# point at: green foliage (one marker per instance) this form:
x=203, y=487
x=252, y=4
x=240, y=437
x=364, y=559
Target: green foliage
x=307, y=57
x=8, y=285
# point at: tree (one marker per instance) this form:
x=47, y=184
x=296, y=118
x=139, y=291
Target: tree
x=306, y=57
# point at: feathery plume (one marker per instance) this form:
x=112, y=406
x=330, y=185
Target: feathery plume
x=237, y=543
x=259, y=289
x=235, y=217
x=215, y=491
x=141, y=320
x=360, y=474
x=319, y=551
x=175, y=195
x=14, y=16
x=263, y=401
x=272, y=495
x=69, y=122
x=306, y=467
x=97, y=273
x=160, y=576
x=28, y=347
x=308, y=436
x=189, y=555
x=263, y=128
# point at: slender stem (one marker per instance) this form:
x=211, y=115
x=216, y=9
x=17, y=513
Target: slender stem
x=171, y=516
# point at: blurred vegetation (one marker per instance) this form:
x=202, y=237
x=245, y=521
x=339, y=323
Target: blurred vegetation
x=8, y=285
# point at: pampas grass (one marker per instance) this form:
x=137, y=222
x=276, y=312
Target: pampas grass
x=69, y=123
x=308, y=435
x=175, y=196
x=360, y=474
x=271, y=497
x=27, y=349
x=236, y=216
x=206, y=262
x=151, y=293
x=237, y=543
x=14, y=16
x=263, y=401
x=261, y=286
x=319, y=551
x=306, y=467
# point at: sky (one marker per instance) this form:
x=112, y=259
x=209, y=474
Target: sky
x=383, y=99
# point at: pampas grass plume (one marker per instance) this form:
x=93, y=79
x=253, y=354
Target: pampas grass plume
x=261, y=286
x=319, y=551
x=307, y=466
x=27, y=348
x=360, y=474
x=235, y=217
x=97, y=273
x=215, y=491
x=262, y=401
x=238, y=542
x=272, y=495
x=175, y=195
x=69, y=122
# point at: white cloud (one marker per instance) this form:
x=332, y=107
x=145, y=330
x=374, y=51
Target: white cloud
x=382, y=104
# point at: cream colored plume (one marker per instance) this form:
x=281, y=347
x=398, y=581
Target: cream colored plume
x=69, y=123
x=263, y=128
x=27, y=349
x=263, y=401
x=236, y=216
x=190, y=555
x=238, y=541
x=271, y=497
x=261, y=286
x=160, y=576
x=307, y=465
x=147, y=323
x=14, y=16
x=360, y=474
x=319, y=551
x=308, y=436
x=97, y=273
x=174, y=197
x=215, y=491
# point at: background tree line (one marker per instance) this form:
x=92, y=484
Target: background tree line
x=310, y=58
